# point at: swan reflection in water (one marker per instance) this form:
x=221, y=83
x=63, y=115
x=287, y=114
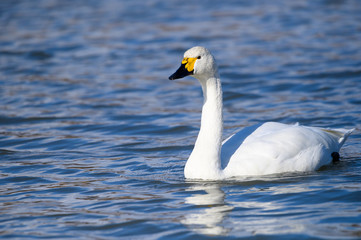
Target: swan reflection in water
x=212, y=210
x=213, y=214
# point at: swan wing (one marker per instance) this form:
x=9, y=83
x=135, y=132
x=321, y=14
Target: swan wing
x=275, y=147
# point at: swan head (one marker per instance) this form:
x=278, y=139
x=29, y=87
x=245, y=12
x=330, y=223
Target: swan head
x=197, y=62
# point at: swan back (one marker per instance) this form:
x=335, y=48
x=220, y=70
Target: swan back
x=275, y=147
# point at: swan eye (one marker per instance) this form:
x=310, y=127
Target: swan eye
x=199, y=57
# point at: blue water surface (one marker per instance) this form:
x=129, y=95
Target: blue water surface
x=94, y=138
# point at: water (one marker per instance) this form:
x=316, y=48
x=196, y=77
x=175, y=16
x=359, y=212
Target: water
x=94, y=138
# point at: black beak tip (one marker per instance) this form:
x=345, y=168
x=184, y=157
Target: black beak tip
x=173, y=76
x=180, y=73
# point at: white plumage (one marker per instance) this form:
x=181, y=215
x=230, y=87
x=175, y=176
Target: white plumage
x=261, y=149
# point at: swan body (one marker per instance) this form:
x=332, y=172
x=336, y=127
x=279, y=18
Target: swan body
x=261, y=149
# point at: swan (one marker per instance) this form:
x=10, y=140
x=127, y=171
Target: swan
x=262, y=149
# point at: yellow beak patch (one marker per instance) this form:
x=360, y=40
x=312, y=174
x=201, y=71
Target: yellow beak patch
x=189, y=63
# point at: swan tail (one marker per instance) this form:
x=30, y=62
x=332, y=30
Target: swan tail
x=341, y=133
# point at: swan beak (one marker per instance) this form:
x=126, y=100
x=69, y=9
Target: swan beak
x=187, y=68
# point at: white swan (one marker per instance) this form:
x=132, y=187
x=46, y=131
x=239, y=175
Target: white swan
x=266, y=148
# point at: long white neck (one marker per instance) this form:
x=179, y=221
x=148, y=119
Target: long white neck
x=204, y=162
